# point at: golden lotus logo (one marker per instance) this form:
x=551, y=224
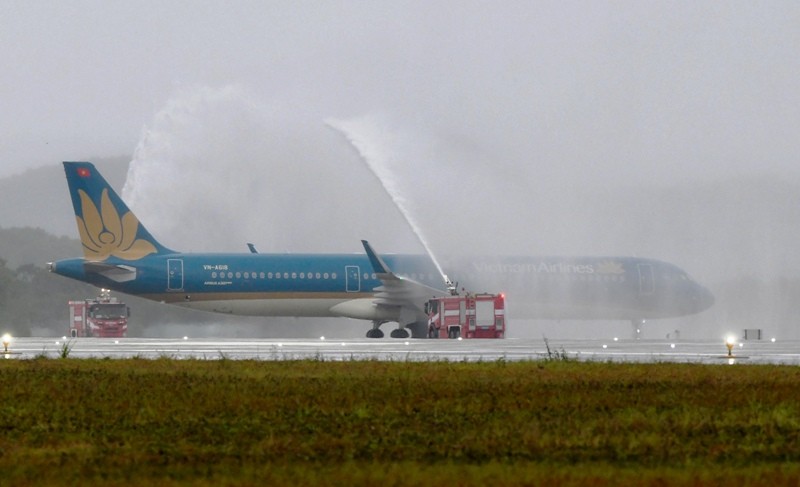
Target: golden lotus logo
x=104, y=233
x=610, y=267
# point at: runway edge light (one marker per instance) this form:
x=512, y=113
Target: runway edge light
x=730, y=341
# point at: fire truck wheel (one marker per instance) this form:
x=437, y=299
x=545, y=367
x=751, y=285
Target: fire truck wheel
x=432, y=333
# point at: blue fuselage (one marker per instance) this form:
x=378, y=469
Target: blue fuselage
x=623, y=288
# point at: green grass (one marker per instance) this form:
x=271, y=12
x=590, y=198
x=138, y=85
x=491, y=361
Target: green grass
x=229, y=422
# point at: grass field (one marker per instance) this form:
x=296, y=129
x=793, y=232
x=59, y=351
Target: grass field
x=226, y=422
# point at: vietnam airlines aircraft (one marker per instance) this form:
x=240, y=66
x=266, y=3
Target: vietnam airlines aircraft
x=120, y=254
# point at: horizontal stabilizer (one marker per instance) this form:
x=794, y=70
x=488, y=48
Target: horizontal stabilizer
x=117, y=273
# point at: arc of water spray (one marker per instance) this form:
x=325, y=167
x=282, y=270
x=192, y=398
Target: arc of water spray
x=376, y=161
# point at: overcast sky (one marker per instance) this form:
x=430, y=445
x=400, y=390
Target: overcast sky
x=498, y=124
x=592, y=89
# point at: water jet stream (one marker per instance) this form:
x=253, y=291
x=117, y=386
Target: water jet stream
x=357, y=133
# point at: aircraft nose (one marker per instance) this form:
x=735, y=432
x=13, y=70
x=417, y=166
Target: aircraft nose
x=703, y=299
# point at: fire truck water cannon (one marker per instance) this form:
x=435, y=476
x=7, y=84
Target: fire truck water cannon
x=452, y=288
x=104, y=316
x=466, y=315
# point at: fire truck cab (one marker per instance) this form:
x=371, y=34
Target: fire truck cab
x=103, y=316
x=466, y=315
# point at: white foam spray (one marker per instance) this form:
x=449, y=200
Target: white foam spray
x=218, y=167
x=194, y=168
x=365, y=135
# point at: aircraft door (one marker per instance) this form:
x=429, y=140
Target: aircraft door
x=352, y=278
x=174, y=274
x=647, y=283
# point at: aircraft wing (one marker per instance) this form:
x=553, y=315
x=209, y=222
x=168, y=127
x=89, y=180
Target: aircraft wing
x=395, y=290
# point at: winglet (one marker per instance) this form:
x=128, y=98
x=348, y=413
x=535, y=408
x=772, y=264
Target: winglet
x=406, y=293
x=378, y=265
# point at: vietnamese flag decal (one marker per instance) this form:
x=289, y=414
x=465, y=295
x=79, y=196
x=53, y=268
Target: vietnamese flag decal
x=83, y=172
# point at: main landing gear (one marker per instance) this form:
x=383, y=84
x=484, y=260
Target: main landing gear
x=399, y=333
x=413, y=330
x=375, y=331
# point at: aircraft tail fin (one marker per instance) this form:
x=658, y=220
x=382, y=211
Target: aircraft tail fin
x=107, y=227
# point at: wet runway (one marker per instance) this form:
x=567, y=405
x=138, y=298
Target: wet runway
x=766, y=351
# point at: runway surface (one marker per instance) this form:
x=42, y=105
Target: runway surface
x=709, y=352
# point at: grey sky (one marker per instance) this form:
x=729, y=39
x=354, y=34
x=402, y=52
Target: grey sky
x=515, y=113
x=557, y=90
x=665, y=129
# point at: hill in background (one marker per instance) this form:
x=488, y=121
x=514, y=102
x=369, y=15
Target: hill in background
x=38, y=198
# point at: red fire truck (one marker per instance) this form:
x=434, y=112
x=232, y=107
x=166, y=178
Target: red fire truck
x=467, y=315
x=102, y=316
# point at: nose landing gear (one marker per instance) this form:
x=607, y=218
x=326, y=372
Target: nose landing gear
x=637, y=328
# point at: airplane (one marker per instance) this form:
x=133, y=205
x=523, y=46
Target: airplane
x=120, y=254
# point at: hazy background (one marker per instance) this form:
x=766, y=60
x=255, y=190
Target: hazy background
x=658, y=129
